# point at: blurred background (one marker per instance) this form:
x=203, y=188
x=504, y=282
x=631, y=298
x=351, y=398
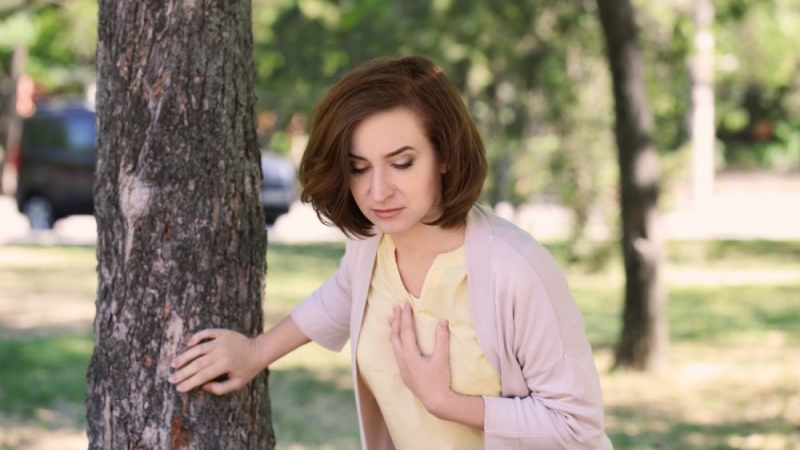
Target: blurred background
x=723, y=80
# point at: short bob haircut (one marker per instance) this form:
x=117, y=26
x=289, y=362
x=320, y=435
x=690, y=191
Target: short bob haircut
x=411, y=82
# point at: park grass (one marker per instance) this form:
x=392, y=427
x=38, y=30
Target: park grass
x=731, y=381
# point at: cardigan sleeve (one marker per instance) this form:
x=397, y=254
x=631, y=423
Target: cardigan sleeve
x=563, y=412
x=324, y=317
x=555, y=401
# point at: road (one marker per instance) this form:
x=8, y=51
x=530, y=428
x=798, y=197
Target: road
x=745, y=206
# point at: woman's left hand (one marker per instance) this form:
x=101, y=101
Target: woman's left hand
x=427, y=376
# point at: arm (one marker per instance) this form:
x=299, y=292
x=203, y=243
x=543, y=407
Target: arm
x=214, y=353
x=563, y=411
x=322, y=317
x=552, y=397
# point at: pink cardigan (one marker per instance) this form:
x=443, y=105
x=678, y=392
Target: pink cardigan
x=527, y=324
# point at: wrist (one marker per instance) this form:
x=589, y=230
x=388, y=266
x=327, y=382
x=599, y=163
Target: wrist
x=439, y=403
x=261, y=351
x=459, y=408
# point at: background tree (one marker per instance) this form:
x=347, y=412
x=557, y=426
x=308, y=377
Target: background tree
x=702, y=124
x=51, y=42
x=644, y=334
x=182, y=240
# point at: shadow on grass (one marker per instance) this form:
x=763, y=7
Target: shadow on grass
x=700, y=314
x=43, y=378
x=314, y=408
x=43, y=384
x=648, y=428
x=728, y=314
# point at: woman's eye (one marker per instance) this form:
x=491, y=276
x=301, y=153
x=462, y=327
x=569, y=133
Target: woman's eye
x=404, y=165
x=357, y=170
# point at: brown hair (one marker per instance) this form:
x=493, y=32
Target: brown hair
x=412, y=82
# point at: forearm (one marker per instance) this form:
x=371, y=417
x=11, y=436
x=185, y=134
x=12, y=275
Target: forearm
x=278, y=341
x=459, y=408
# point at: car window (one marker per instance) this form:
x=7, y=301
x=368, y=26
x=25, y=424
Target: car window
x=79, y=133
x=37, y=132
x=72, y=133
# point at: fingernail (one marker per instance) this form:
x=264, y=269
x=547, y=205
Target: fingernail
x=171, y=379
x=174, y=363
x=443, y=324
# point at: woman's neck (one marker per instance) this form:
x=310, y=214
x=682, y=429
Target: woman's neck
x=428, y=241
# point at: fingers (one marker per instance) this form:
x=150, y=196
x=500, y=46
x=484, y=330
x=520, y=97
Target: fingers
x=223, y=387
x=211, y=333
x=194, y=367
x=201, y=377
x=441, y=344
x=394, y=337
x=195, y=351
x=191, y=354
x=407, y=335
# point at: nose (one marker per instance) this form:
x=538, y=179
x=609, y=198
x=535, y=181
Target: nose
x=381, y=188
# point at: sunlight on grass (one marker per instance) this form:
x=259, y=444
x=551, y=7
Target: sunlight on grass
x=731, y=381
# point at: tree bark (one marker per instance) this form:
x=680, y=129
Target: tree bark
x=10, y=126
x=644, y=335
x=181, y=234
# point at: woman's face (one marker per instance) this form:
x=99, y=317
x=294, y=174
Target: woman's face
x=395, y=176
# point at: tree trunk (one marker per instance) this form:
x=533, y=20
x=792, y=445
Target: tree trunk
x=644, y=336
x=702, y=121
x=181, y=234
x=10, y=126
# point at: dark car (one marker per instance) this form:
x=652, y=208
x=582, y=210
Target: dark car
x=55, y=168
x=56, y=163
x=277, y=186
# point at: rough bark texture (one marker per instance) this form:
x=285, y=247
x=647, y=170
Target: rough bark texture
x=10, y=126
x=181, y=235
x=644, y=335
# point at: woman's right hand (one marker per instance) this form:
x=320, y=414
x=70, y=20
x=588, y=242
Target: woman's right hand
x=212, y=354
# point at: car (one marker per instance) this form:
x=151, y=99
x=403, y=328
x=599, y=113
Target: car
x=55, y=162
x=277, y=186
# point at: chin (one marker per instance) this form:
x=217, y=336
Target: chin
x=391, y=227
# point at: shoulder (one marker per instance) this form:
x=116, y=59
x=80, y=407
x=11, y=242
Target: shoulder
x=359, y=251
x=511, y=246
x=529, y=282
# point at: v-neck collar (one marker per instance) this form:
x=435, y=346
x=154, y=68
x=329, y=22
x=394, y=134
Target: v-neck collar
x=446, y=258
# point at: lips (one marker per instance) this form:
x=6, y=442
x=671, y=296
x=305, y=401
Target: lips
x=386, y=213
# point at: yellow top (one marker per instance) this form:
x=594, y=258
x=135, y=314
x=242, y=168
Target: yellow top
x=444, y=295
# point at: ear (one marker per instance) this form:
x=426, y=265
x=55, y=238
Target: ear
x=442, y=168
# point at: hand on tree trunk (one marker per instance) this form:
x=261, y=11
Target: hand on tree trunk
x=221, y=361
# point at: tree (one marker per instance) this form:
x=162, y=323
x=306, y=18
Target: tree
x=10, y=128
x=703, y=129
x=181, y=234
x=644, y=335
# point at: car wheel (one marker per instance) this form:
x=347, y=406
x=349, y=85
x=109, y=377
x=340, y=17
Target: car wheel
x=39, y=212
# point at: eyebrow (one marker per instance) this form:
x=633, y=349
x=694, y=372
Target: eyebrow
x=388, y=155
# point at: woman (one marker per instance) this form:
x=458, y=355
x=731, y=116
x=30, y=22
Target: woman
x=464, y=333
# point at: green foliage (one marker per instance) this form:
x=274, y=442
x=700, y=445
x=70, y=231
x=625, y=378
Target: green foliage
x=532, y=72
x=17, y=29
x=758, y=83
x=61, y=38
